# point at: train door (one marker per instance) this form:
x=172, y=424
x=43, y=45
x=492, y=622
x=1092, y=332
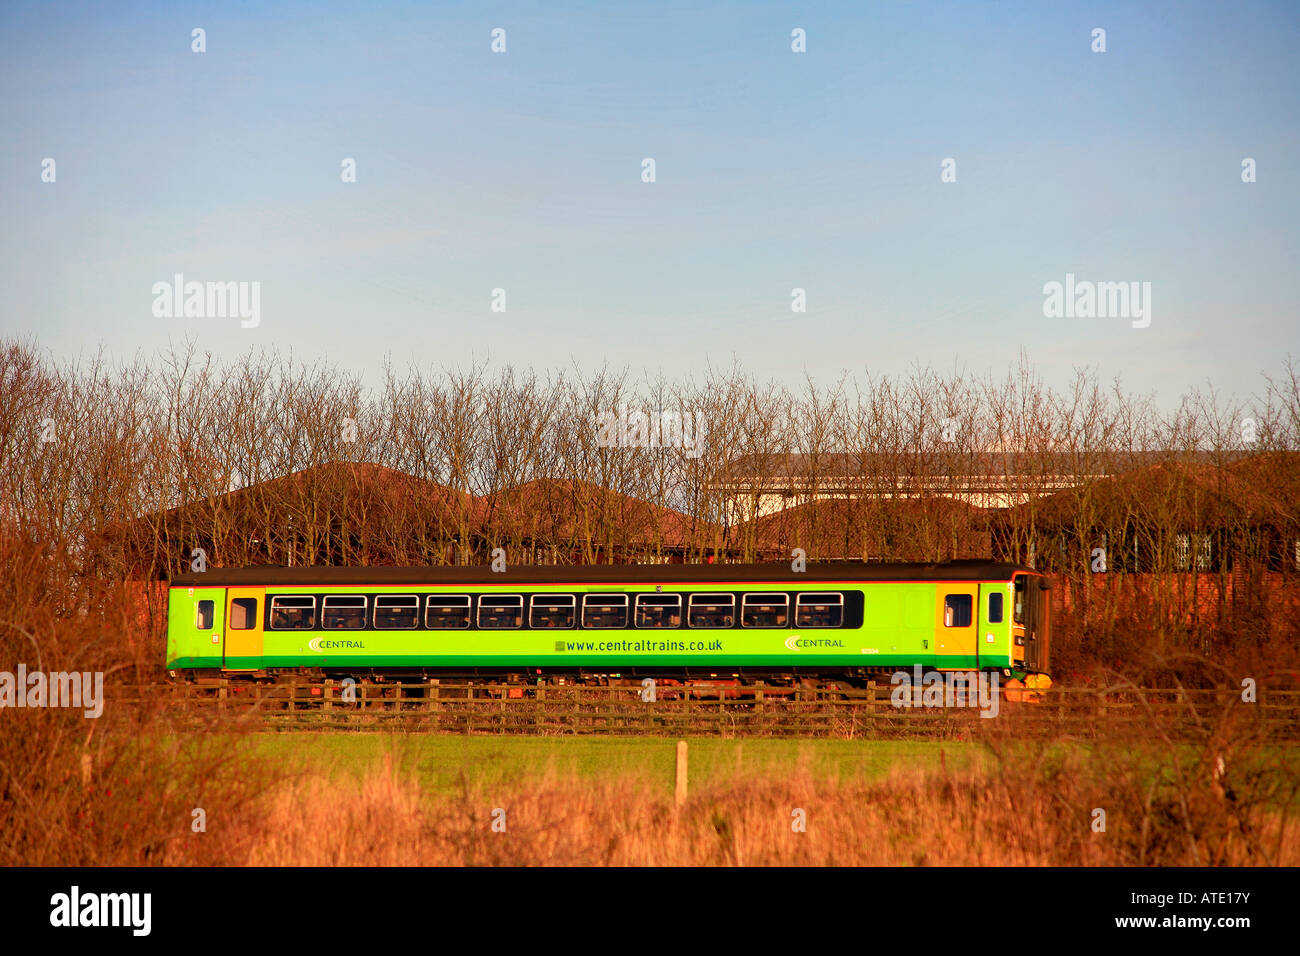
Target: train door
x=993, y=630
x=956, y=636
x=1031, y=621
x=243, y=645
x=1038, y=626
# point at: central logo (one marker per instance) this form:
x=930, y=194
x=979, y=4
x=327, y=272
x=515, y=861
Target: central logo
x=320, y=645
x=792, y=642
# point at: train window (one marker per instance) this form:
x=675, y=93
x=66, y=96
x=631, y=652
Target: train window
x=293, y=613
x=203, y=619
x=956, y=610
x=995, y=607
x=396, y=612
x=343, y=612
x=712, y=610
x=658, y=610
x=501, y=611
x=551, y=610
x=604, y=610
x=447, y=612
x=1018, y=609
x=243, y=614
x=764, y=610
x=819, y=610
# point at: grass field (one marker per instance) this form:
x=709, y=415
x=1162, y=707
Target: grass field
x=446, y=763
x=330, y=799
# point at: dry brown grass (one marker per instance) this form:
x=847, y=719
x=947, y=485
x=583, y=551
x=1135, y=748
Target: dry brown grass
x=1031, y=805
x=948, y=819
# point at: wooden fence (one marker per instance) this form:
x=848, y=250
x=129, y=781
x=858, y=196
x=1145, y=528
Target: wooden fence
x=482, y=708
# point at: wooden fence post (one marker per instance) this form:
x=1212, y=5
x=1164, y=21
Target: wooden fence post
x=680, y=795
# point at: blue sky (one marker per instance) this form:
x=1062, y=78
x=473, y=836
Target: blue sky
x=775, y=170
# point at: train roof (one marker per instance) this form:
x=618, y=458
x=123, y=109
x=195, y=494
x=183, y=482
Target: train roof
x=271, y=575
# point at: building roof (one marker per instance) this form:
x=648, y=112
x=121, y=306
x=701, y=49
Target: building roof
x=341, y=487
x=842, y=527
x=938, y=462
x=567, y=510
x=1188, y=494
x=358, y=495
x=1276, y=471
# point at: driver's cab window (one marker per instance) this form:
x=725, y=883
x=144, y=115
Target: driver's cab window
x=1018, y=608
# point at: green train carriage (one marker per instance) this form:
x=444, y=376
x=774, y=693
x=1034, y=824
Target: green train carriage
x=843, y=619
